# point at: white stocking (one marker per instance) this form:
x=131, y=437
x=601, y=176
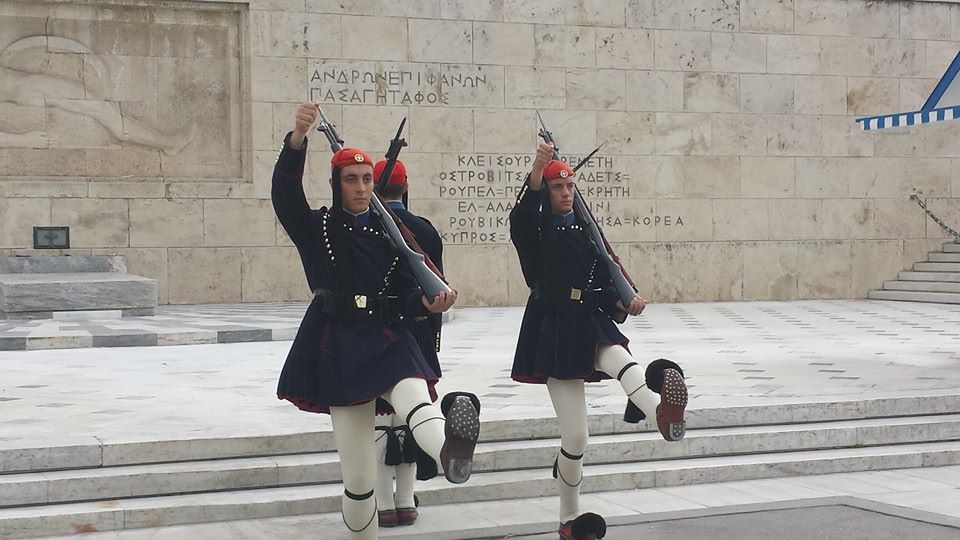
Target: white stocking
x=571, y=408
x=406, y=475
x=353, y=433
x=611, y=360
x=427, y=422
x=384, y=472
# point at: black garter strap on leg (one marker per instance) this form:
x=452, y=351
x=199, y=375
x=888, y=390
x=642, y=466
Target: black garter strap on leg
x=355, y=497
x=556, y=466
x=414, y=410
x=624, y=370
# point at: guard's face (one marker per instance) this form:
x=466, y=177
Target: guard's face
x=561, y=195
x=356, y=187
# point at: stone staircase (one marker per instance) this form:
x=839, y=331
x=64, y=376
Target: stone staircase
x=936, y=280
x=62, y=490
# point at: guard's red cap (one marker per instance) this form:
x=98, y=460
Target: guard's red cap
x=557, y=169
x=397, y=178
x=350, y=156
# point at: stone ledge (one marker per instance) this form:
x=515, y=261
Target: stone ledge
x=62, y=264
x=38, y=295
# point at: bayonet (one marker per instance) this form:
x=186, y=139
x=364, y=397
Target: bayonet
x=587, y=159
x=395, y=145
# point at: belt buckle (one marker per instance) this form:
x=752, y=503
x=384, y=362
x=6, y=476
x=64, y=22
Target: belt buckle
x=575, y=294
x=360, y=301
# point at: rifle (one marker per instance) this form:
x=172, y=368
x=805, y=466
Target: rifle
x=621, y=281
x=400, y=238
x=395, y=145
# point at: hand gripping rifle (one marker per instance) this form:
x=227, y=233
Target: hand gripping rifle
x=398, y=235
x=621, y=281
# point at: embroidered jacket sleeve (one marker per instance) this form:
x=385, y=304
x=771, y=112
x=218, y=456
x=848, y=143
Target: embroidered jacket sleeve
x=525, y=233
x=289, y=200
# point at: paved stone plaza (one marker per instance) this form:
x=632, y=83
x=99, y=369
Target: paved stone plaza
x=756, y=355
x=733, y=353
x=172, y=325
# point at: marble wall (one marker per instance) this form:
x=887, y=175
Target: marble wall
x=732, y=167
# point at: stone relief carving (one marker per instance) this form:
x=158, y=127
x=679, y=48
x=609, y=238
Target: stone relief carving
x=31, y=87
x=121, y=90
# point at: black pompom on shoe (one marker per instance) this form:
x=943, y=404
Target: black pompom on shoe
x=447, y=401
x=654, y=373
x=583, y=526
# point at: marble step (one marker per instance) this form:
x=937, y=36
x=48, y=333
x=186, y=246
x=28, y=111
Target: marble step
x=930, y=276
x=916, y=296
x=91, y=452
x=936, y=267
x=951, y=247
x=944, y=257
x=62, y=264
x=111, y=515
x=39, y=295
x=323, y=468
x=925, y=286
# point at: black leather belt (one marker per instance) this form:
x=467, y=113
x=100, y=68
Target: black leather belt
x=386, y=309
x=565, y=296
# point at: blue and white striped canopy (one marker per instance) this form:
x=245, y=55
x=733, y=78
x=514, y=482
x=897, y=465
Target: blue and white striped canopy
x=943, y=104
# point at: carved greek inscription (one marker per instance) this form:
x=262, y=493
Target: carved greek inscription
x=484, y=188
x=422, y=85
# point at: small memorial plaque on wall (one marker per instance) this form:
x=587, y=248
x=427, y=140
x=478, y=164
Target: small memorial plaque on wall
x=51, y=237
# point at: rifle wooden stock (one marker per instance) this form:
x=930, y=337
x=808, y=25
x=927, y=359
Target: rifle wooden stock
x=431, y=283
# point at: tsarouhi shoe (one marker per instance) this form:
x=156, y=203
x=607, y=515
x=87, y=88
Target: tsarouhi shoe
x=666, y=378
x=588, y=526
x=388, y=518
x=406, y=516
x=461, y=431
